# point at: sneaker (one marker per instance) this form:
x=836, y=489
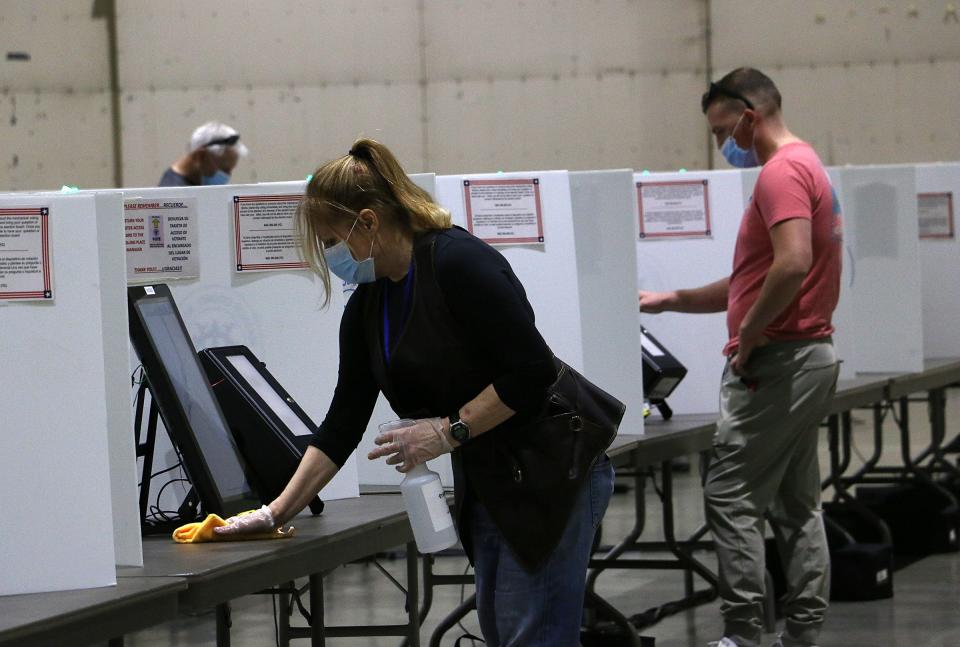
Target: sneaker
x=723, y=642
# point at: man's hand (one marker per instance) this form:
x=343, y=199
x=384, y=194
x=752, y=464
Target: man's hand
x=749, y=341
x=655, y=302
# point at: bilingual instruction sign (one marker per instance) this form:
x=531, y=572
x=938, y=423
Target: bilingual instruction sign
x=265, y=233
x=161, y=239
x=26, y=271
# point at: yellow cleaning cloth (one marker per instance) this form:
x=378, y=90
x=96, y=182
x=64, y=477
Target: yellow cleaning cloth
x=201, y=531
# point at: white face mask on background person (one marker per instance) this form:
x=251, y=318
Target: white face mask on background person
x=736, y=156
x=341, y=262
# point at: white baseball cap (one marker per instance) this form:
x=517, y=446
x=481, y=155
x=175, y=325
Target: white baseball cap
x=216, y=137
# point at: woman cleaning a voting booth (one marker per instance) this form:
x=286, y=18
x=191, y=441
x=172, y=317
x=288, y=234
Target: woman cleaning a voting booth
x=441, y=325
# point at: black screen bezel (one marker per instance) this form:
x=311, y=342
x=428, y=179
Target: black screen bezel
x=174, y=416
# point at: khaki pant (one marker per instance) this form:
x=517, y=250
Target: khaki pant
x=765, y=462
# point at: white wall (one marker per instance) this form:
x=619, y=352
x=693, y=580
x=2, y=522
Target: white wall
x=451, y=85
x=853, y=73
x=55, y=108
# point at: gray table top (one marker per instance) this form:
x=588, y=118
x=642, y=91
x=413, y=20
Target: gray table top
x=937, y=373
x=666, y=439
x=88, y=615
x=860, y=391
x=219, y=571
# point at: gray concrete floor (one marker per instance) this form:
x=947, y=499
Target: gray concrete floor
x=922, y=613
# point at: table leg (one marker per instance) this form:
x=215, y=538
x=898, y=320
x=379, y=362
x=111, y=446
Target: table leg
x=413, y=596
x=283, y=610
x=317, y=634
x=223, y=624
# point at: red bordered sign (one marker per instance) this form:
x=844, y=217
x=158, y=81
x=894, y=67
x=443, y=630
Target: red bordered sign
x=935, y=213
x=504, y=212
x=286, y=255
x=37, y=285
x=674, y=209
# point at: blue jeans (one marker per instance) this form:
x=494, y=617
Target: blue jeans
x=520, y=609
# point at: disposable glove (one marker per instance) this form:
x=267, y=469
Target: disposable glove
x=409, y=446
x=248, y=523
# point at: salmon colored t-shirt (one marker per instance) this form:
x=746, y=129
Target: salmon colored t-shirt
x=792, y=184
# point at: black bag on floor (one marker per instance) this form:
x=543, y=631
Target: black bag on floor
x=861, y=559
x=923, y=520
x=861, y=562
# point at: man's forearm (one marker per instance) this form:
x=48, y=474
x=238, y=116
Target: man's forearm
x=779, y=290
x=705, y=299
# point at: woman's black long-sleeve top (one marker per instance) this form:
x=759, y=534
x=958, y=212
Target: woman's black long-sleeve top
x=490, y=306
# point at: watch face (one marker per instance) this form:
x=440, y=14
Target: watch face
x=460, y=432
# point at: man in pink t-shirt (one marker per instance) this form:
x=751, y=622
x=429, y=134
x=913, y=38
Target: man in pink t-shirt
x=781, y=368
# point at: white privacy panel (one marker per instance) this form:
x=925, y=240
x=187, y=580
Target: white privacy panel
x=468, y=40
x=788, y=33
x=880, y=228
x=289, y=131
x=207, y=43
x=605, y=226
x=547, y=271
x=55, y=138
x=116, y=368
x=56, y=402
x=514, y=124
x=697, y=340
x=276, y=314
x=940, y=266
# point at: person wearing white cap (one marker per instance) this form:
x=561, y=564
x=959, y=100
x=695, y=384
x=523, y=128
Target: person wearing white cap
x=215, y=149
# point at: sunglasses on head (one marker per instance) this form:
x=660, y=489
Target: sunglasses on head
x=717, y=90
x=226, y=141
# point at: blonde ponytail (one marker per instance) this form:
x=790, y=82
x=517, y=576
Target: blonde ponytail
x=369, y=176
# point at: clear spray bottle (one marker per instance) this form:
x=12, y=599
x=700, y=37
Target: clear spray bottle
x=426, y=503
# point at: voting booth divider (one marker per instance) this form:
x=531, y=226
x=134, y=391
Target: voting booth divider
x=59, y=397
x=605, y=225
x=938, y=198
x=691, y=226
x=270, y=307
x=884, y=294
x=68, y=405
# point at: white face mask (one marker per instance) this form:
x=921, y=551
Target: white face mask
x=341, y=262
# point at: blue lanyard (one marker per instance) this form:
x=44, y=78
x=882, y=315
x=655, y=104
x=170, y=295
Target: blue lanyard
x=407, y=288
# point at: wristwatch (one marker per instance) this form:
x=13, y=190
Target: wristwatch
x=458, y=428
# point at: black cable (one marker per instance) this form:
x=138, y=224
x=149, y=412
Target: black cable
x=163, y=513
x=163, y=471
x=134, y=380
